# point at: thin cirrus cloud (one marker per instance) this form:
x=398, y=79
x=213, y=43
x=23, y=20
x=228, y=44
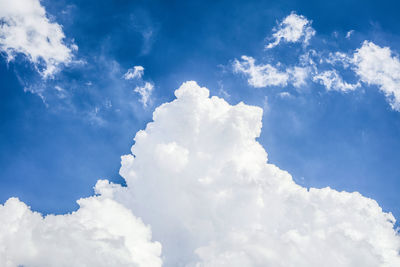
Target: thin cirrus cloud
x=200, y=180
x=26, y=29
x=370, y=64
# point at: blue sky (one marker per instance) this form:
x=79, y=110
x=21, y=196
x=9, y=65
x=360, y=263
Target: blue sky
x=52, y=153
x=63, y=129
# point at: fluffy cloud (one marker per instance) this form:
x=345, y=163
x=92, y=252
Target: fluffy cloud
x=144, y=92
x=333, y=81
x=26, y=29
x=198, y=176
x=134, y=73
x=101, y=233
x=294, y=28
x=377, y=66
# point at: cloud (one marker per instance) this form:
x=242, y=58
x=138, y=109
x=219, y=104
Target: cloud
x=25, y=29
x=349, y=34
x=144, y=92
x=134, y=73
x=369, y=65
x=268, y=75
x=260, y=75
x=100, y=233
x=376, y=65
x=144, y=89
x=199, y=177
x=294, y=28
x=298, y=75
x=333, y=81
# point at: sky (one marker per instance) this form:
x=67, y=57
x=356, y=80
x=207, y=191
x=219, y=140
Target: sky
x=320, y=83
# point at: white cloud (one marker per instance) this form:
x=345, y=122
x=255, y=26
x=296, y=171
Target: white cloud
x=298, y=75
x=285, y=95
x=101, y=233
x=333, y=81
x=198, y=176
x=268, y=75
x=260, y=75
x=134, y=73
x=377, y=66
x=349, y=34
x=145, y=92
x=294, y=28
x=203, y=183
x=145, y=89
x=26, y=29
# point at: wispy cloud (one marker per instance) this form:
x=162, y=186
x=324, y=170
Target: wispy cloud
x=134, y=73
x=145, y=92
x=294, y=28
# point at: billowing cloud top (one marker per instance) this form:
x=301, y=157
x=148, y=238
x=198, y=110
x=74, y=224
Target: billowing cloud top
x=26, y=29
x=203, y=183
x=201, y=180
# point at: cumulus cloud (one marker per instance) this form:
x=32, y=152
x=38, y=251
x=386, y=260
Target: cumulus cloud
x=198, y=176
x=100, y=233
x=333, y=81
x=294, y=28
x=144, y=92
x=200, y=179
x=134, y=73
x=26, y=29
x=376, y=65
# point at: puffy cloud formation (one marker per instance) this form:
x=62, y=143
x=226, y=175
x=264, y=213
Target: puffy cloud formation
x=198, y=176
x=25, y=29
x=377, y=66
x=101, y=233
x=144, y=92
x=294, y=28
x=134, y=73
